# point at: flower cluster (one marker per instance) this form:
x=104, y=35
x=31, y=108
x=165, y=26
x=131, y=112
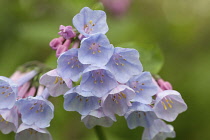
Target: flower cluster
x=97, y=80
x=24, y=109
x=110, y=81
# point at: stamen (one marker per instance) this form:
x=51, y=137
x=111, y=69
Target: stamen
x=94, y=52
x=90, y=48
x=101, y=81
x=139, y=115
x=124, y=96
x=69, y=63
x=56, y=80
x=31, y=108
x=116, y=63
x=2, y=92
x=91, y=22
x=99, y=51
x=95, y=82
x=164, y=105
x=142, y=84
x=171, y=100
x=87, y=100
x=122, y=64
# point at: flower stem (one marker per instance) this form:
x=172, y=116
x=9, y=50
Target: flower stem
x=99, y=132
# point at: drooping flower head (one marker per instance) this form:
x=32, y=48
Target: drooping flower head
x=158, y=131
x=32, y=132
x=97, y=80
x=36, y=110
x=97, y=117
x=69, y=67
x=8, y=120
x=144, y=87
x=169, y=104
x=124, y=64
x=73, y=101
x=55, y=84
x=8, y=93
x=89, y=22
x=95, y=50
x=140, y=115
x=117, y=101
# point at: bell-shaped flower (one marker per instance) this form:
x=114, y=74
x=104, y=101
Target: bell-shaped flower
x=95, y=50
x=124, y=64
x=97, y=80
x=32, y=132
x=158, y=131
x=69, y=67
x=73, y=101
x=8, y=93
x=89, y=22
x=55, y=84
x=144, y=87
x=8, y=120
x=140, y=115
x=168, y=105
x=36, y=110
x=97, y=117
x=117, y=101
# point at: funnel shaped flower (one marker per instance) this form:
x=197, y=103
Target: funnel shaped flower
x=8, y=120
x=169, y=104
x=69, y=67
x=55, y=84
x=8, y=93
x=117, y=101
x=158, y=131
x=95, y=50
x=97, y=80
x=97, y=117
x=89, y=22
x=73, y=101
x=140, y=115
x=32, y=132
x=124, y=64
x=36, y=110
x=144, y=87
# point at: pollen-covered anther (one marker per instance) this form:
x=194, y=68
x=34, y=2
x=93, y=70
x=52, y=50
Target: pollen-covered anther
x=164, y=105
x=93, y=52
x=2, y=92
x=101, y=81
x=123, y=95
x=8, y=95
x=95, y=82
x=87, y=100
x=122, y=64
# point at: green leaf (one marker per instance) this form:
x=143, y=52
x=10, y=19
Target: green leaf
x=151, y=56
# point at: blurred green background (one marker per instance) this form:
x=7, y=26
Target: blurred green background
x=179, y=27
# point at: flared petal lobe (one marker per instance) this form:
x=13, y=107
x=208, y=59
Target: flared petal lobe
x=36, y=110
x=69, y=67
x=95, y=50
x=89, y=22
x=124, y=64
x=8, y=93
x=169, y=104
x=144, y=87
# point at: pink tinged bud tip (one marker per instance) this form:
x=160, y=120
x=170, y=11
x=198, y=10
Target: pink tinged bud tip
x=66, y=32
x=164, y=85
x=56, y=42
x=63, y=48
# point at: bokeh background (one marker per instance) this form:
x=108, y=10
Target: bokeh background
x=179, y=27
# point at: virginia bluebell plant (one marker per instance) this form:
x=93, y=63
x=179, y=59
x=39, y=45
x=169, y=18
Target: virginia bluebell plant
x=97, y=80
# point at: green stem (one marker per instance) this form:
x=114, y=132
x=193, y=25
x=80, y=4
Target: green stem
x=99, y=132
